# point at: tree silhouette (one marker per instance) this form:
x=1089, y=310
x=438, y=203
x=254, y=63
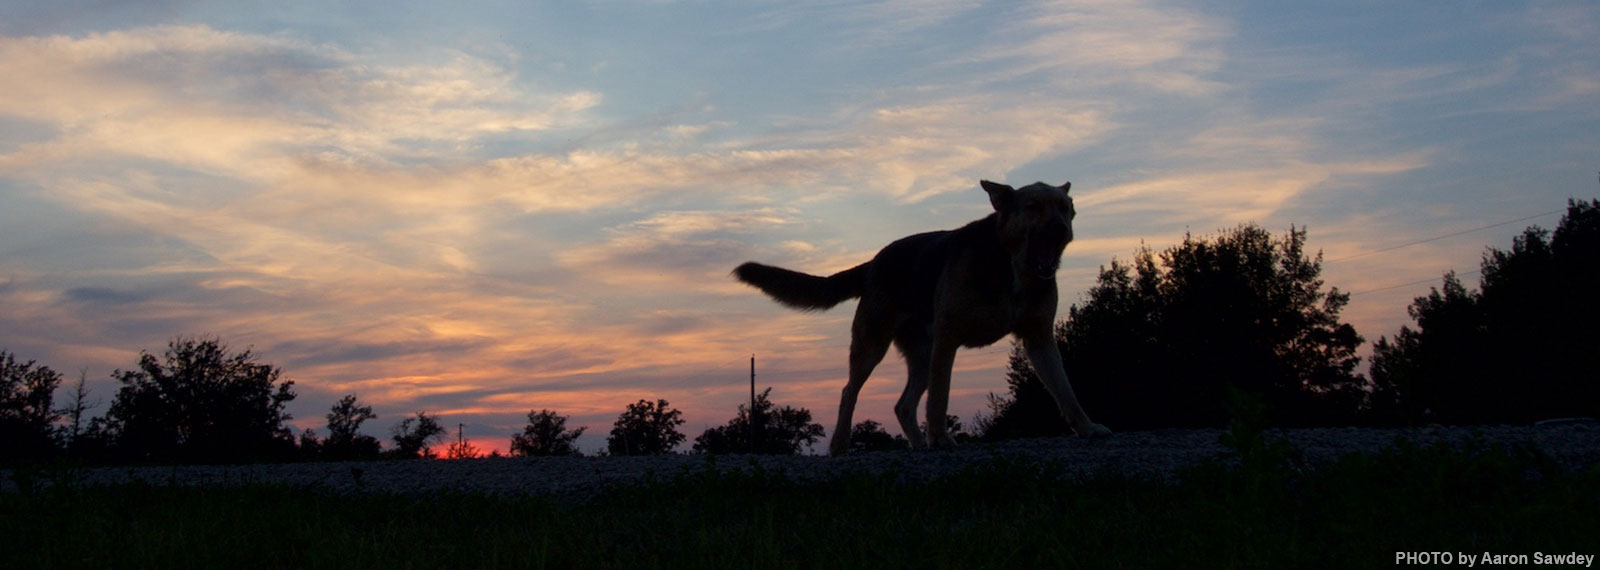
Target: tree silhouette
x=1157, y=343
x=781, y=431
x=309, y=445
x=78, y=404
x=462, y=448
x=1521, y=349
x=345, y=441
x=869, y=435
x=1028, y=410
x=645, y=428
x=415, y=436
x=546, y=434
x=27, y=418
x=200, y=403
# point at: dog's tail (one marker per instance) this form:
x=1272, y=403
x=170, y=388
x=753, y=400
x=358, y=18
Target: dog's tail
x=802, y=291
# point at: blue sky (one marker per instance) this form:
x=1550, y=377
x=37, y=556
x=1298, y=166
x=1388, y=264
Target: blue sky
x=482, y=210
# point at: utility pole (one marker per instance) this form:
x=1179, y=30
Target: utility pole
x=750, y=415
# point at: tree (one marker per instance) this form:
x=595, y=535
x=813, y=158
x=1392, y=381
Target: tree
x=869, y=435
x=415, y=436
x=1029, y=411
x=462, y=448
x=1157, y=343
x=952, y=426
x=200, y=403
x=645, y=428
x=1519, y=350
x=1424, y=369
x=77, y=406
x=345, y=441
x=546, y=434
x=27, y=418
x=776, y=432
x=310, y=445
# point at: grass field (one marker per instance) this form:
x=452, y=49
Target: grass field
x=1267, y=511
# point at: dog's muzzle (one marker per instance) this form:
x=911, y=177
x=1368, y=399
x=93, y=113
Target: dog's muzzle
x=1045, y=248
x=1045, y=269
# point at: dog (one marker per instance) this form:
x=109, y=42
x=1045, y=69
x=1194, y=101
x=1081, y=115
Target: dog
x=934, y=292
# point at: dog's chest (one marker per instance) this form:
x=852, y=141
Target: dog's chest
x=982, y=317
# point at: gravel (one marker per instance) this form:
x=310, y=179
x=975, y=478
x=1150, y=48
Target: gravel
x=1149, y=454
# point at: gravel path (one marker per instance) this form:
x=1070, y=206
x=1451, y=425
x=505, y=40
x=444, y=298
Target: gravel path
x=1144, y=454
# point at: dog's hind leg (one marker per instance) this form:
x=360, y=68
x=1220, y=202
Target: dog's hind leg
x=918, y=350
x=869, y=340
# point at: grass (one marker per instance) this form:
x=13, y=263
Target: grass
x=1267, y=512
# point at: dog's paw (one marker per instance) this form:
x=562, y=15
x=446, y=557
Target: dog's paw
x=1093, y=431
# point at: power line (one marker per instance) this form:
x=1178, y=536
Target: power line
x=1440, y=237
x=1408, y=284
x=1431, y=239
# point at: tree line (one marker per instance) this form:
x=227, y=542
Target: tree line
x=1175, y=339
x=201, y=402
x=197, y=402
x=1167, y=340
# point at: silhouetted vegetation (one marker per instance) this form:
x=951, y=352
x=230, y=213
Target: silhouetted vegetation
x=1355, y=513
x=1168, y=339
x=1027, y=410
x=415, y=436
x=27, y=409
x=546, y=434
x=764, y=430
x=200, y=403
x=345, y=441
x=461, y=448
x=1158, y=342
x=74, y=416
x=645, y=428
x=869, y=435
x=1524, y=348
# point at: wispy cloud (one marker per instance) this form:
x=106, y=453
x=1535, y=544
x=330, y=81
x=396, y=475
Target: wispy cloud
x=487, y=230
x=249, y=104
x=1095, y=44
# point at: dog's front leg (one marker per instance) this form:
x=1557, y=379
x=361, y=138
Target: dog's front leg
x=1046, y=359
x=944, y=358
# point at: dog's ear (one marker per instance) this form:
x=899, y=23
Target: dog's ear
x=1066, y=187
x=1000, y=195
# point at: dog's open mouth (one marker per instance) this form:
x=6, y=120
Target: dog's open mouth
x=1046, y=269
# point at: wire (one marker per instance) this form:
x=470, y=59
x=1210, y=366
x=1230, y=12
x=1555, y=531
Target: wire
x=1440, y=237
x=1408, y=284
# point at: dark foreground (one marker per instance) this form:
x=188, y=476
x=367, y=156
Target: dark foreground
x=1263, y=509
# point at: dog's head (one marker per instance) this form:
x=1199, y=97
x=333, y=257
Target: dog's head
x=1035, y=224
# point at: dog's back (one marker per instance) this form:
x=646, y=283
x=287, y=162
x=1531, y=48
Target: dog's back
x=904, y=273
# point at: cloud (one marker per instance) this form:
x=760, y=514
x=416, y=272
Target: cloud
x=434, y=227
x=677, y=251
x=101, y=296
x=345, y=213
x=1091, y=44
x=1224, y=197
x=246, y=104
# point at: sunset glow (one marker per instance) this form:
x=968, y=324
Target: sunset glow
x=480, y=210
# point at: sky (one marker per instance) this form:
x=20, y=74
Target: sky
x=481, y=209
